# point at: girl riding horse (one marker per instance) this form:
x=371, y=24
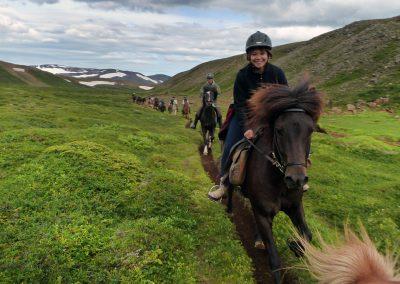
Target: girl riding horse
x=258, y=72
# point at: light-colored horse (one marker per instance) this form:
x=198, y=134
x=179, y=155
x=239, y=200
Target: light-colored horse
x=355, y=261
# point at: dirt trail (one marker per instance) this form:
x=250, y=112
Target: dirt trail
x=244, y=227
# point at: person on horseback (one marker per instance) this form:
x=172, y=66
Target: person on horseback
x=175, y=105
x=257, y=72
x=212, y=87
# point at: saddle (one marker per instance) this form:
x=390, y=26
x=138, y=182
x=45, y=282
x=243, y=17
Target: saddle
x=237, y=162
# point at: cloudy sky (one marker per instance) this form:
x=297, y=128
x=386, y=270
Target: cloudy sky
x=164, y=36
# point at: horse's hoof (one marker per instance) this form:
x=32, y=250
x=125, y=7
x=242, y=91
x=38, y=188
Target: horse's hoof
x=259, y=244
x=296, y=247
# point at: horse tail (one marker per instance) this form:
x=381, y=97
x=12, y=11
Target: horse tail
x=353, y=261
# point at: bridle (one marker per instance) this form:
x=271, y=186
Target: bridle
x=208, y=101
x=275, y=156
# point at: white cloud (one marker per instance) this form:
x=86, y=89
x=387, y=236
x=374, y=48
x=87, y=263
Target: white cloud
x=165, y=36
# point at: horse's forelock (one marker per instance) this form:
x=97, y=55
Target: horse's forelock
x=269, y=101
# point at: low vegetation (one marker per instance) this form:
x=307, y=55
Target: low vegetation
x=95, y=189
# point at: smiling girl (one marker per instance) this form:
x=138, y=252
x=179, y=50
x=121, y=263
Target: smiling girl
x=258, y=72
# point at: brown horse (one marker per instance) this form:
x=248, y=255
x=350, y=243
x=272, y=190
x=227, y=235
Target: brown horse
x=355, y=261
x=276, y=169
x=186, y=109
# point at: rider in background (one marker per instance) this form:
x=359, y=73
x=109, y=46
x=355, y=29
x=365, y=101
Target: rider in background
x=185, y=100
x=259, y=71
x=175, y=105
x=212, y=87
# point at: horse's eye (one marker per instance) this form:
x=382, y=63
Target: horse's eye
x=279, y=131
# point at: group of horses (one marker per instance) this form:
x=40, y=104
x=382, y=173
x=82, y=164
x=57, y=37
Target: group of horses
x=276, y=172
x=159, y=105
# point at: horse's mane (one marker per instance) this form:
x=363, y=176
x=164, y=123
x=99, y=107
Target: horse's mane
x=271, y=100
x=354, y=261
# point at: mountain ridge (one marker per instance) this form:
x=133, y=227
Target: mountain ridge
x=359, y=61
x=116, y=76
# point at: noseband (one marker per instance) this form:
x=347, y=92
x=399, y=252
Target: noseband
x=275, y=157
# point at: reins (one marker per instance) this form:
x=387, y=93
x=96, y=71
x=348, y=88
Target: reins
x=276, y=160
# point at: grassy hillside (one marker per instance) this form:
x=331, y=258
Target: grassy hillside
x=93, y=189
x=359, y=61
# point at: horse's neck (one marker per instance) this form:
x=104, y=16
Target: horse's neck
x=209, y=109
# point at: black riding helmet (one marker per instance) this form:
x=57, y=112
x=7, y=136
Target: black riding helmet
x=259, y=40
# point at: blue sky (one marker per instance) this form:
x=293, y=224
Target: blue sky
x=164, y=36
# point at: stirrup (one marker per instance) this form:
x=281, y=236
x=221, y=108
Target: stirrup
x=213, y=188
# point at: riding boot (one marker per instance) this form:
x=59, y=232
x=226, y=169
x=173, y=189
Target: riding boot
x=220, y=192
x=197, y=118
x=219, y=116
x=194, y=124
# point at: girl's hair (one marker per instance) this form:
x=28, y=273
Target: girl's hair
x=261, y=48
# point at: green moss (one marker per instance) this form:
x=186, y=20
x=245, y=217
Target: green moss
x=94, y=189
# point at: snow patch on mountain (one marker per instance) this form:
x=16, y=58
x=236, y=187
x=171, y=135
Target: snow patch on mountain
x=94, y=83
x=55, y=70
x=146, y=87
x=112, y=75
x=146, y=78
x=19, y=69
x=86, y=75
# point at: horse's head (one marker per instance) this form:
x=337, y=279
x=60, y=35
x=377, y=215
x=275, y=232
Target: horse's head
x=208, y=98
x=291, y=145
x=290, y=115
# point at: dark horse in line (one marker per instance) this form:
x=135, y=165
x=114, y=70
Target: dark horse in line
x=208, y=121
x=277, y=164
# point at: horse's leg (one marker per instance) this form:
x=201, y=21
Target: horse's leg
x=296, y=214
x=211, y=138
x=264, y=224
x=205, y=136
x=258, y=243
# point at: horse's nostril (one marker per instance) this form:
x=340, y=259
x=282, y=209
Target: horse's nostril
x=305, y=179
x=289, y=180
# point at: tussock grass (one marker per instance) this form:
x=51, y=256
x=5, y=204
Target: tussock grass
x=94, y=189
